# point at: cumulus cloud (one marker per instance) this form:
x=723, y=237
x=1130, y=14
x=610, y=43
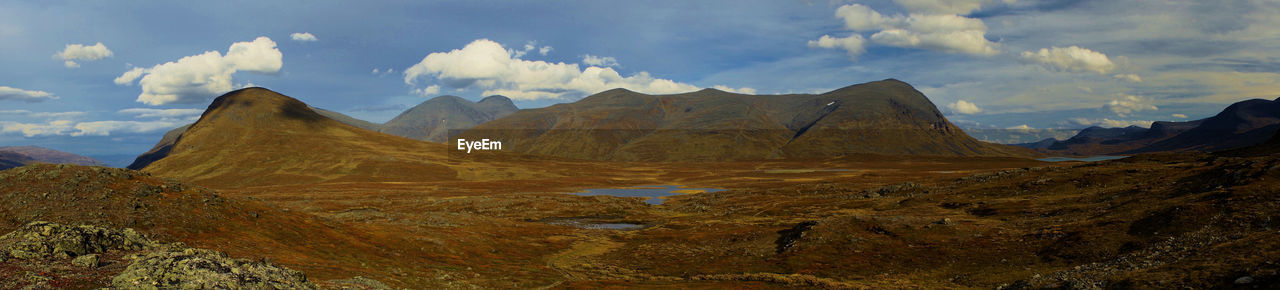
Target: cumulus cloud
x=854, y=45
x=303, y=36
x=600, y=61
x=945, y=32
x=1071, y=59
x=964, y=107
x=1108, y=123
x=1128, y=104
x=528, y=47
x=16, y=94
x=197, y=78
x=427, y=91
x=74, y=52
x=1023, y=127
x=487, y=65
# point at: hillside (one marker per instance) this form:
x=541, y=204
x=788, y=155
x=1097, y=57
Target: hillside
x=1239, y=125
x=9, y=159
x=46, y=155
x=431, y=120
x=255, y=136
x=884, y=117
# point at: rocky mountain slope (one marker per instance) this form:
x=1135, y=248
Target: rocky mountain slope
x=431, y=120
x=883, y=117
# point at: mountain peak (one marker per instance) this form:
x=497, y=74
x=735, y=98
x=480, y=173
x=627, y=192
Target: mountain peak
x=496, y=98
x=261, y=104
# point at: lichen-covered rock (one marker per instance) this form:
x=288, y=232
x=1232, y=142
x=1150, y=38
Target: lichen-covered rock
x=86, y=261
x=205, y=269
x=46, y=240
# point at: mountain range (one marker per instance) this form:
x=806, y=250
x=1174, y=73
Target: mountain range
x=14, y=156
x=884, y=117
x=1239, y=125
x=432, y=120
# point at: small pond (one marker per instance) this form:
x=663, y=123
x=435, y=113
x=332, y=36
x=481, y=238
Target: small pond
x=655, y=193
x=1085, y=159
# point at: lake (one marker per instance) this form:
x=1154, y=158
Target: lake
x=1085, y=159
x=655, y=193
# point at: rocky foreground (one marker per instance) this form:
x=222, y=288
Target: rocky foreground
x=50, y=255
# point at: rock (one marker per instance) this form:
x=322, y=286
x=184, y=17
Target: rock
x=206, y=269
x=357, y=282
x=42, y=240
x=86, y=261
x=1244, y=280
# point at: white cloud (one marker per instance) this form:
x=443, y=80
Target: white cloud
x=128, y=77
x=941, y=6
x=1179, y=116
x=1020, y=127
x=51, y=128
x=964, y=107
x=742, y=90
x=947, y=32
x=161, y=113
x=303, y=36
x=197, y=78
x=858, y=17
x=106, y=128
x=375, y=71
x=1133, y=78
x=1071, y=59
x=45, y=115
x=853, y=45
x=487, y=65
x=529, y=46
x=544, y=50
x=427, y=91
x=16, y=94
x=74, y=52
x=1128, y=104
x=1108, y=123
x=600, y=61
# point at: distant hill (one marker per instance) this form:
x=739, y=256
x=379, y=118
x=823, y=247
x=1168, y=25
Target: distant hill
x=13, y=156
x=431, y=120
x=255, y=136
x=10, y=159
x=1240, y=125
x=883, y=117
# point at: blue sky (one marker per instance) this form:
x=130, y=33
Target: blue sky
x=984, y=63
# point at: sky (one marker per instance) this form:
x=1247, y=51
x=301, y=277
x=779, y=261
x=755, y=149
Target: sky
x=108, y=78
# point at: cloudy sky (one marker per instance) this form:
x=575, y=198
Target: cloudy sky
x=107, y=78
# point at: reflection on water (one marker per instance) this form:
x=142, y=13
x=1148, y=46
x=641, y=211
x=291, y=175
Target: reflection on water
x=655, y=193
x=1085, y=159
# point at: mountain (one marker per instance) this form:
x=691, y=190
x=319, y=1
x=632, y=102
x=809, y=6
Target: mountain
x=431, y=120
x=883, y=117
x=21, y=155
x=10, y=159
x=340, y=117
x=161, y=148
x=255, y=136
x=1240, y=125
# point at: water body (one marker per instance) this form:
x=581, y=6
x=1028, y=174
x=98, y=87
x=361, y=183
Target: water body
x=655, y=193
x=585, y=224
x=1085, y=159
